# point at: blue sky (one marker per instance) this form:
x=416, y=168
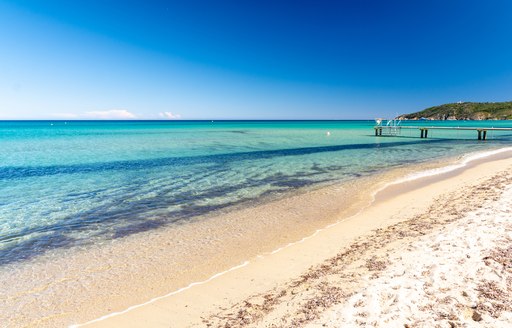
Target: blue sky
x=249, y=59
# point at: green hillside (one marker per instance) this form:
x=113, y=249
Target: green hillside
x=465, y=111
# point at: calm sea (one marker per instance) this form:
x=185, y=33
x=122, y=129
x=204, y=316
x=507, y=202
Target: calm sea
x=72, y=183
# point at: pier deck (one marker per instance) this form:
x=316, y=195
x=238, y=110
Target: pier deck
x=482, y=132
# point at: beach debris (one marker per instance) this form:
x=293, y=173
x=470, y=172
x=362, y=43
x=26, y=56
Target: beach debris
x=502, y=256
x=476, y=316
x=490, y=290
x=496, y=300
x=372, y=264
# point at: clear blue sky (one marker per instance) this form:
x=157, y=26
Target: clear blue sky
x=250, y=59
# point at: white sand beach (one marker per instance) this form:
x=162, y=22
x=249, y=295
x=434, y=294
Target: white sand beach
x=459, y=275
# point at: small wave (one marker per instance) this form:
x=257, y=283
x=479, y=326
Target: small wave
x=161, y=297
x=463, y=162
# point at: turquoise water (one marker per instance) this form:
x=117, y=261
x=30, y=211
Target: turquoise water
x=64, y=184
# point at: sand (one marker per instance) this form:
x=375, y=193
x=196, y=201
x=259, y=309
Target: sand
x=457, y=276
x=434, y=251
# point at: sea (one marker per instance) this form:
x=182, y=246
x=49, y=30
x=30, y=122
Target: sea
x=65, y=184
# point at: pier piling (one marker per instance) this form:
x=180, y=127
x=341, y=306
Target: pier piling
x=482, y=132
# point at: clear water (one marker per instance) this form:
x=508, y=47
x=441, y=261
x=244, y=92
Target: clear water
x=64, y=184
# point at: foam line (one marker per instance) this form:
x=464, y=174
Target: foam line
x=133, y=307
x=445, y=169
x=414, y=176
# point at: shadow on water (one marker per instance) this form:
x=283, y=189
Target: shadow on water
x=110, y=221
x=7, y=173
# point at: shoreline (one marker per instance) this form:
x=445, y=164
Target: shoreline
x=324, y=205
x=425, y=181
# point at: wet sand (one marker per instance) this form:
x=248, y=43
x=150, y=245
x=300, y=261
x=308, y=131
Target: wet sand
x=359, y=260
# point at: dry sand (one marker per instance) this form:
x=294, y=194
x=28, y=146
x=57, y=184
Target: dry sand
x=459, y=275
x=435, y=251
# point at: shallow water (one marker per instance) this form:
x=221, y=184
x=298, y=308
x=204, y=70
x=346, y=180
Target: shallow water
x=65, y=184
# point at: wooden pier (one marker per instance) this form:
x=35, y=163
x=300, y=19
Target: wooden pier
x=482, y=132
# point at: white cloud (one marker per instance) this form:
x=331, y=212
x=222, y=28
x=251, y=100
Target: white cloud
x=114, y=114
x=169, y=115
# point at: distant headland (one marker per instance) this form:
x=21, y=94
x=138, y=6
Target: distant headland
x=464, y=111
